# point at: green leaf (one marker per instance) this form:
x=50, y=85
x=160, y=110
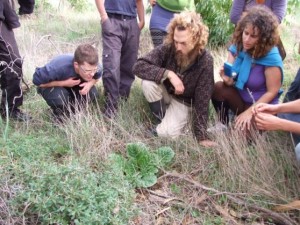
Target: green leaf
x=164, y=156
x=147, y=180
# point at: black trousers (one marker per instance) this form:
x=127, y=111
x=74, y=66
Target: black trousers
x=10, y=70
x=26, y=6
x=65, y=98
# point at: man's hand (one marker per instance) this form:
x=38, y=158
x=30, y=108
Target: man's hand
x=70, y=82
x=208, y=143
x=86, y=87
x=176, y=82
x=152, y=2
x=265, y=121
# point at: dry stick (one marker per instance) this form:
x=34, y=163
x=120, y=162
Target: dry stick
x=275, y=216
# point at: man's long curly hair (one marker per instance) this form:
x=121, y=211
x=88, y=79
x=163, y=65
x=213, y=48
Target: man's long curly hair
x=189, y=20
x=262, y=19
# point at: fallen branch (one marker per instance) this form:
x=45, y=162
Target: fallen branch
x=276, y=217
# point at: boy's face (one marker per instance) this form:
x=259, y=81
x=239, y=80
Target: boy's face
x=86, y=71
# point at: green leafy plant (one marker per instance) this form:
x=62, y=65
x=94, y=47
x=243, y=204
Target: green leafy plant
x=215, y=14
x=141, y=165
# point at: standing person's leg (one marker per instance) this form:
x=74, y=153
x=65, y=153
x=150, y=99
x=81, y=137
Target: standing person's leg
x=111, y=37
x=131, y=35
x=11, y=71
x=157, y=36
x=26, y=6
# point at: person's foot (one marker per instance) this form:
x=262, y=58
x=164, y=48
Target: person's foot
x=17, y=115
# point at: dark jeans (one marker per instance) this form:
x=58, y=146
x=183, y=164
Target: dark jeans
x=66, y=99
x=294, y=90
x=10, y=70
x=120, y=48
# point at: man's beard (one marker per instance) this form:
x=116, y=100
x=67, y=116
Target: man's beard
x=184, y=61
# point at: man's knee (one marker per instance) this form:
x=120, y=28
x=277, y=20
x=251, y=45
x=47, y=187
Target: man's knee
x=152, y=91
x=55, y=97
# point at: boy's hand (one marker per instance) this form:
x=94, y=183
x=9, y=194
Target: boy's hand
x=71, y=82
x=86, y=87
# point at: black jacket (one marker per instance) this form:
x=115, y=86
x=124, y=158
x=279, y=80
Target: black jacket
x=8, y=15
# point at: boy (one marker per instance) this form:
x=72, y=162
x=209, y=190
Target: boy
x=68, y=80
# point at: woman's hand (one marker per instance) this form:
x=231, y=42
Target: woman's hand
x=243, y=121
x=226, y=79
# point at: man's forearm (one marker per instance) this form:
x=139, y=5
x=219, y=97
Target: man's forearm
x=52, y=84
x=140, y=12
x=101, y=9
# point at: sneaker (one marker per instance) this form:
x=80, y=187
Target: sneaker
x=17, y=115
x=217, y=128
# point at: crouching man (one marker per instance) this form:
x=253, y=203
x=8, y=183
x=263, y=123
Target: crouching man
x=177, y=78
x=68, y=80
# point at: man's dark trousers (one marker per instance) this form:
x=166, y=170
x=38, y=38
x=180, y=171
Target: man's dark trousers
x=10, y=70
x=66, y=99
x=26, y=6
x=120, y=47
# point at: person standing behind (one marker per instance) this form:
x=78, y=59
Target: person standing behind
x=177, y=78
x=68, y=80
x=120, y=36
x=11, y=64
x=162, y=12
x=26, y=6
x=278, y=7
x=258, y=65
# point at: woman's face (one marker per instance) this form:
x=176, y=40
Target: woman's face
x=250, y=37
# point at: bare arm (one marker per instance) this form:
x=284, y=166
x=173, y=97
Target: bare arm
x=141, y=13
x=70, y=82
x=101, y=9
x=270, y=122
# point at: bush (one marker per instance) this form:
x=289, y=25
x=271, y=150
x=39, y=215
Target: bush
x=215, y=14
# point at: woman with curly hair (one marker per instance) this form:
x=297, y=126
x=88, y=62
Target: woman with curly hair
x=257, y=68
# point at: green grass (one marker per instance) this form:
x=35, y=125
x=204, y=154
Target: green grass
x=62, y=174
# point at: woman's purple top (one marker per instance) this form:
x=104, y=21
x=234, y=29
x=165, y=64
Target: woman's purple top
x=160, y=18
x=256, y=86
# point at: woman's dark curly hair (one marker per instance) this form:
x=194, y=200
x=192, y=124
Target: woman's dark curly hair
x=262, y=19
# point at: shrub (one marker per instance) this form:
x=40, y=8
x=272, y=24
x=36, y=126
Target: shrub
x=215, y=14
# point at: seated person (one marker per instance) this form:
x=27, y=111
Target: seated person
x=257, y=64
x=177, y=78
x=69, y=79
x=288, y=119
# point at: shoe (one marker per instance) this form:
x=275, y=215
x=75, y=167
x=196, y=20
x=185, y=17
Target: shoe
x=217, y=128
x=18, y=115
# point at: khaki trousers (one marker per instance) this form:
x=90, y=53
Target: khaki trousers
x=177, y=114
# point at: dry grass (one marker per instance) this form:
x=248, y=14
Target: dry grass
x=263, y=172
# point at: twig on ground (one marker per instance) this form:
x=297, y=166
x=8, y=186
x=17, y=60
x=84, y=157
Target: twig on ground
x=276, y=217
